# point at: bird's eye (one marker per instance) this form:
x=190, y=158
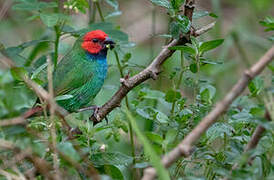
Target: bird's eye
x=95, y=40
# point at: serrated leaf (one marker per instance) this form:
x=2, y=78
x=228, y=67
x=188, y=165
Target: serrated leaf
x=209, y=45
x=162, y=3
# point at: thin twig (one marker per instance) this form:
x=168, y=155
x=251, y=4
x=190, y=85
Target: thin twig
x=185, y=147
x=13, y=121
x=52, y=122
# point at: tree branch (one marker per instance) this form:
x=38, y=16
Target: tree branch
x=152, y=71
x=185, y=147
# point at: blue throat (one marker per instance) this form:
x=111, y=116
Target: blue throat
x=101, y=56
x=101, y=61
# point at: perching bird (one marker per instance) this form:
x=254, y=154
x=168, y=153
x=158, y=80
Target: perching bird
x=82, y=71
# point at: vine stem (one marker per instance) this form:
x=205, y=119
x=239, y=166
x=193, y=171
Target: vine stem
x=129, y=124
x=179, y=81
x=52, y=123
x=56, y=44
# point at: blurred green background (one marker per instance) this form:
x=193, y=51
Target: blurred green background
x=245, y=41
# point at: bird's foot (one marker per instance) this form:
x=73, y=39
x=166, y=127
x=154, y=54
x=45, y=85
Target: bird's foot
x=94, y=117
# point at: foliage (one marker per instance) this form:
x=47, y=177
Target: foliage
x=160, y=113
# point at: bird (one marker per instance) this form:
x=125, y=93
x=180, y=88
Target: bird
x=81, y=72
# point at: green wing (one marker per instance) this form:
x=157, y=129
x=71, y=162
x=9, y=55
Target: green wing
x=72, y=72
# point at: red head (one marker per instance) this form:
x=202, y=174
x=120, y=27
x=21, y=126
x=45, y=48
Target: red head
x=95, y=41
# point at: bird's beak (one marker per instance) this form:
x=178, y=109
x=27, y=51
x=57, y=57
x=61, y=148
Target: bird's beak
x=109, y=43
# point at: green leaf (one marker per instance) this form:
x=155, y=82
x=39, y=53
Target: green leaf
x=52, y=19
x=14, y=52
x=184, y=23
x=269, y=23
x=67, y=149
x=217, y=130
x=176, y=4
x=37, y=71
x=49, y=20
x=185, y=114
x=213, y=15
x=174, y=29
x=149, y=151
x=193, y=68
x=207, y=92
x=156, y=138
x=18, y=73
x=209, y=45
x=143, y=113
x=33, y=5
x=152, y=94
x=126, y=57
x=205, y=96
x=114, y=158
x=113, y=3
x=163, y=3
x=170, y=135
x=113, y=14
x=111, y=170
x=199, y=14
x=172, y=96
x=241, y=117
x=186, y=49
x=161, y=117
x=256, y=86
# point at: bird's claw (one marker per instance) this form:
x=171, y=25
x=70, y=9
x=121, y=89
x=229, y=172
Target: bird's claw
x=95, y=118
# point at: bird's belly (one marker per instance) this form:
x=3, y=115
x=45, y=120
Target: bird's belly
x=84, y=95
